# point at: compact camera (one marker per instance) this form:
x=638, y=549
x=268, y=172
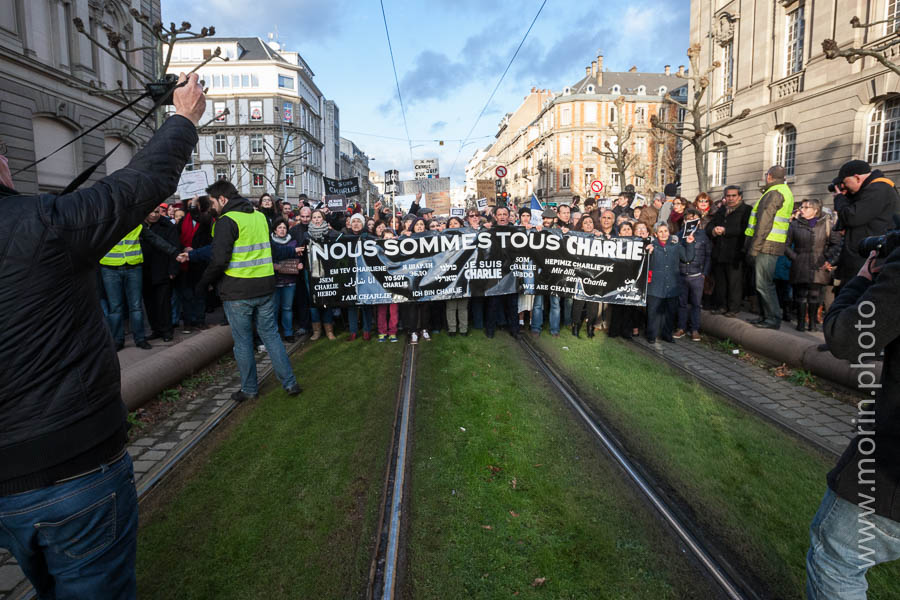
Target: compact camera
x=163, y=88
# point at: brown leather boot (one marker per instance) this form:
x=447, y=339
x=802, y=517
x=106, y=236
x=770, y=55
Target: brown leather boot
x=316, y=332
x=329, y=330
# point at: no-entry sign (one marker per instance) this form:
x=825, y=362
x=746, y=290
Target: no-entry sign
x=596, y=186
x=500, y=171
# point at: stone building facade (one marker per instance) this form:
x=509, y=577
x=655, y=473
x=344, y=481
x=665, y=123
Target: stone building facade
x=548, y=144
x=263, y=128
x=809, y=113
x=45, y=71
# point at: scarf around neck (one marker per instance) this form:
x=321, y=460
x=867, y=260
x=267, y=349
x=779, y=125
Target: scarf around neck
x=317, y=232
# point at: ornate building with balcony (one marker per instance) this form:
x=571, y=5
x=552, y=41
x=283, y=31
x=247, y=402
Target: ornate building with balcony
x=45, y=98
x=808, y=113
x=557, y=143
x=263, y=126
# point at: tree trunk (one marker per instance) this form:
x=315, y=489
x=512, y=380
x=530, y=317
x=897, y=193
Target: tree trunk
x=700, y=165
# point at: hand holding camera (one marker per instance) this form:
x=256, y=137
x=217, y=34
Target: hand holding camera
x=189, y=100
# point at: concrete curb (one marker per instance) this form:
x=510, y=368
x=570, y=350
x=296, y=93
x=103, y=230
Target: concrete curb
x=786, y=348
x=144, y=380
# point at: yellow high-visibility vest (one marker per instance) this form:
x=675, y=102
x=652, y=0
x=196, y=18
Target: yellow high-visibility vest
x=251, y=256
x=782, y=217
x=127, y=251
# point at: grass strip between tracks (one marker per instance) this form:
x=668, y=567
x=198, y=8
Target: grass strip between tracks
x=510, y=494
x=286, y=506
x=746, y=480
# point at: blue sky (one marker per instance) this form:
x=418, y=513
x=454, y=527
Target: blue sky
x=449, y=56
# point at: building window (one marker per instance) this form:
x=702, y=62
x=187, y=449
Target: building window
x=590, y=112
x=221, y=145
x=640, y=114
x=289, y=143
x=235, y=81
x=226, y=81
x=786, y=148
x=289, y=177
x=245, y=80
x=217, y=81
x=565, y=116
x=638, y=182
x=641, y=90
x=640, y=146
x=794, y=41
x=219, y=111
x=565, y=144
x=256, y=110
x=221, y=174
x=256, y=143
x=892, y=17
x=615, y=89
x=589, y=144
x=728, y=70
x=883, y=143
x=287, y=112
x=254, y=80
x=718, y=166
x=258, y=178
x=612, y=114
x=286, y=83
x=615, y=182
x=662, y=90
x=588, y=178
x=565, y=177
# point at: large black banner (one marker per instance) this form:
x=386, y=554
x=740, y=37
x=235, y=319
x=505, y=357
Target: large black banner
x=342, y=187
x=460, y=263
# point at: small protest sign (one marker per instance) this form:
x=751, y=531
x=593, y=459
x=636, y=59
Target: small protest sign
x=336, y=202
x=192, y=183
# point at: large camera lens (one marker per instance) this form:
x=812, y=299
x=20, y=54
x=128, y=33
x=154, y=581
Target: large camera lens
x=876, y=243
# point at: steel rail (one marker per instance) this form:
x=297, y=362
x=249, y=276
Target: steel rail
x=383, y=574
x=730, y=585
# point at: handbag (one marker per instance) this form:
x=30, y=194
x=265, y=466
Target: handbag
x=290, y=266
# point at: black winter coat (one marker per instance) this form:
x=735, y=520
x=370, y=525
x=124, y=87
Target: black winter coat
x=665, y=280
x=728, y=248
x=702, y=260
x=868, y=212
x=159, y=263
x=61, y=410
x=809, y=249
x=842, y=332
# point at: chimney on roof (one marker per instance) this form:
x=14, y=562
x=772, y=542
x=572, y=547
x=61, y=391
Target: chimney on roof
x=681, y=69
x=587, y=71
x=633, y=69
x=668, y=69
x=593, y=67
x=599, y=69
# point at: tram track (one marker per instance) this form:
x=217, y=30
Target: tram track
x=714, y=563
x=384, y=580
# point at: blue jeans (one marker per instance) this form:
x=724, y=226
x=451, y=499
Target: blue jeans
x=243, y=315
x=843, y=543
x=764, y=271
x=477, y=306
x=691, y=295
x=567, y=311
x=353, y=317
x=284, y=306
x=537, y=314
x=122, y=285
x=321, y=315
x=76, y=539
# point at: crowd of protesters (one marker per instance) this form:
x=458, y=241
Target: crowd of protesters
x=777, y=258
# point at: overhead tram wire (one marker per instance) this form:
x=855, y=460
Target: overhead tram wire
x=397, y=81
x=387, y=137
x=496, y=87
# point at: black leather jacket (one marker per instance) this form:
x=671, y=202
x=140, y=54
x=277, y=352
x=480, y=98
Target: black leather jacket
x=61, y=410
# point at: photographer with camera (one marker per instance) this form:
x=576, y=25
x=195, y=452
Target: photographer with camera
x=865, y=209
x=858, y=522
x=68, y=505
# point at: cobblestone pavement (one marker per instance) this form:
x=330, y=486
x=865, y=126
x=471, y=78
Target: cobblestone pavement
x=150, y=450
x=823, y=419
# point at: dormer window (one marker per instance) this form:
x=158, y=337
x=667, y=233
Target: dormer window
x=567, y=91
x=641, y=90
x=616, y=89
x=662, y=90
x=590, y=89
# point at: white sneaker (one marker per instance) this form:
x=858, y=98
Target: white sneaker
x=413, y=338
x=425, y=336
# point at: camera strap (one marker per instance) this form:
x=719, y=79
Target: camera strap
x=86, y=174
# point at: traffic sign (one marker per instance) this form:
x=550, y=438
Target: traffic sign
x=596, y=186
x=500, y=171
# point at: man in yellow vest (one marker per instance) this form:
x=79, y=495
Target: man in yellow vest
x=766, y=235
x=242, y=259
x=121, y=273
